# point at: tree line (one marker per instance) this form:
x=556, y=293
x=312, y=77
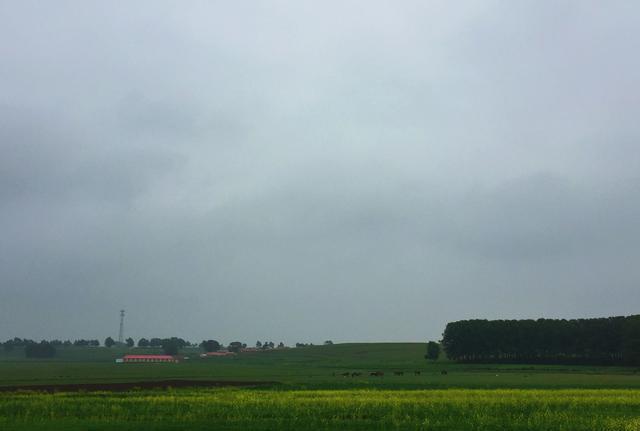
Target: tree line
x=170, y=346
x=17, y=342
x=601, y=341
x=154, y=342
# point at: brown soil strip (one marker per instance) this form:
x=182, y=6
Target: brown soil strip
x=127, y=386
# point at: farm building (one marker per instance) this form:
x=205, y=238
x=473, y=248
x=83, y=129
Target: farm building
x=148, y=358
x=216, y=354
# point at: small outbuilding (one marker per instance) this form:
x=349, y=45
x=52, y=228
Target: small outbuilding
x=147, y=358
x=216, y=354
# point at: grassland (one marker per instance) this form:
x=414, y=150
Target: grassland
x=313, y=368
x=311, y=394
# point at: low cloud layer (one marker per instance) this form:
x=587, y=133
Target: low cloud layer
x=300, y=172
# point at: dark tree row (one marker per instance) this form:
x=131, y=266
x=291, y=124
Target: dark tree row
x=159, y=342
x=605, y=341
x=32, y=349
x=267, y=345
x=169, y=345
x=43, y=349
x=13, y=343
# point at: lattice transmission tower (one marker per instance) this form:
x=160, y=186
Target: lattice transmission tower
x=121, y=333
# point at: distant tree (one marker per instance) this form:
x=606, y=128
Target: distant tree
x=258, y=344
x=433, y=350
x=130, y=342
x=108, y=342
x=9, y=345
x=179, y=341
x=155, y=342
x=210, y=345
x=235, y=346
x=85, y=343
x=328, y=342
x=143, y=342
x=281, y=345
x=43, y=349
x=171, y=346
x=67, y=343
x=631, y=341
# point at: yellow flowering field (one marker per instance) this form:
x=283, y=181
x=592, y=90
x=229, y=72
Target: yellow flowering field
x=242, y=409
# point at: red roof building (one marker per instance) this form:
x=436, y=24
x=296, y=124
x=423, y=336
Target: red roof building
x=149, y=358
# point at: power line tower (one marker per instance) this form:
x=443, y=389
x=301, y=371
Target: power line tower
x=121, y=333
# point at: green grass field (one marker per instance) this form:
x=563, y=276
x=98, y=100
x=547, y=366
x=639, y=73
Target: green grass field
x=313, y=367
x=310, y=393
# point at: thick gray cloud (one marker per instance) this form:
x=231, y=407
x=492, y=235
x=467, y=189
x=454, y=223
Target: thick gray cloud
x=299, y=171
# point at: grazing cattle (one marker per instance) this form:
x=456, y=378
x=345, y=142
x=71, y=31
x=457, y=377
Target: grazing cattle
x=398, y=373
x=345, y=374
x=354, y=374
x=416, y=373
x=376, y=373
x=443, y=372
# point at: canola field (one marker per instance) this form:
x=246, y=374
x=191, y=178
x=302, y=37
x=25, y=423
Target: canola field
x=355, y=409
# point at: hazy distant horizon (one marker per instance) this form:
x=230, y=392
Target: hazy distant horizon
x=289, y=343
x=297, y=172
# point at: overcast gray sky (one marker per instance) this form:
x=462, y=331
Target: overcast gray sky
x=302, y=171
